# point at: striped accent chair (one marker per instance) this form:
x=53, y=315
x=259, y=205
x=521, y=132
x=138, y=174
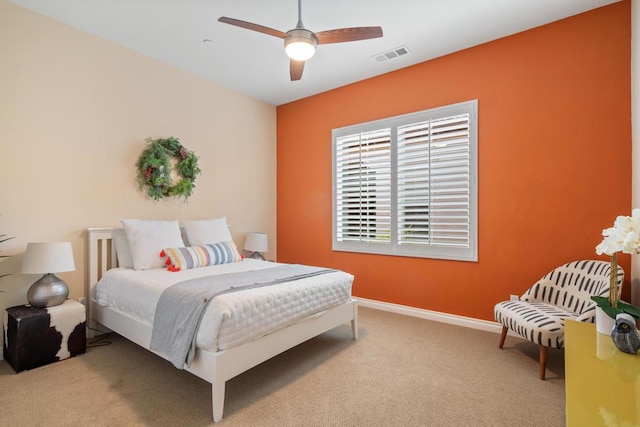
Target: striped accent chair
x=564, y=293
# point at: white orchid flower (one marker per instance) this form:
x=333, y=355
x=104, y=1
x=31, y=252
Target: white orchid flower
x=631, y=242
x=609, y=246
x=624, y=236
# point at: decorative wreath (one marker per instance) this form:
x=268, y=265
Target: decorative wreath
x=154, y=169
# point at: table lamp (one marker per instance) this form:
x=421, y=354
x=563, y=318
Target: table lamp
x=48, y=258
x=256, y=243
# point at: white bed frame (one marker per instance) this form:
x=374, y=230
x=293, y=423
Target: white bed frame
x=214, y=367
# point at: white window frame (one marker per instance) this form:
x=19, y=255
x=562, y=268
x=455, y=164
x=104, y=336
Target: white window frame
x=377, y=242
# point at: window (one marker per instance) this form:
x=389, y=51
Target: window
x=407, y=185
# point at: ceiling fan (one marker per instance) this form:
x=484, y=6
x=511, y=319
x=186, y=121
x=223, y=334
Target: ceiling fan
x=300, y=43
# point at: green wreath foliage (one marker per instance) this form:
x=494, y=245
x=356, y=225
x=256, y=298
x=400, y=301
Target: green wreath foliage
x=154, y=169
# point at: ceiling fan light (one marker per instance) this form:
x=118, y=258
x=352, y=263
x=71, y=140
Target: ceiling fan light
x=300, y=49
x=300, y=45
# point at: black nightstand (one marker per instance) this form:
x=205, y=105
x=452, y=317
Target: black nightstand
x=38, y=336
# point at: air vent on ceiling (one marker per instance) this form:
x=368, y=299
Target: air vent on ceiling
x=391, y=54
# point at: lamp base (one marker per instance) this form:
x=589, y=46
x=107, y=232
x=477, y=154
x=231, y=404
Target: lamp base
x=256, y=255
x=47, y=291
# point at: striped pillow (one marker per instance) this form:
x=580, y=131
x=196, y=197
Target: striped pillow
x=200, y=256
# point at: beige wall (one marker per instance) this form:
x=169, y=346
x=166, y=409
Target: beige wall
x=75, y=111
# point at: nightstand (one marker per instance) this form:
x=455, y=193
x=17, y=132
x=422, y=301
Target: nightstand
x=39, y=336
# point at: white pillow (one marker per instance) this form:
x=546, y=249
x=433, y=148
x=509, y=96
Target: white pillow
x=123, y=253
x=148, y=238
x=207, y=231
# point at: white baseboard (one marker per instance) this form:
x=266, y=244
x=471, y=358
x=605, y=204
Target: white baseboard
x=453, y=319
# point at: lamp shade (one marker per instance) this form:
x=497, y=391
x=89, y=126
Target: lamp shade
x=256, y=242
x=48, y=257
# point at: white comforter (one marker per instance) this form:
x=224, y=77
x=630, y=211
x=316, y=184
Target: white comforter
x=231, y=319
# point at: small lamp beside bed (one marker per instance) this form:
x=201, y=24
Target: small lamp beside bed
x=48, y=258
x=256, y=244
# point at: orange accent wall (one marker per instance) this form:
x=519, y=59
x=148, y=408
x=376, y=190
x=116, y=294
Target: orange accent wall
x=554, y=106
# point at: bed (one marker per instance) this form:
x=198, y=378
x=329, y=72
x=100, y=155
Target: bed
x=229, y=353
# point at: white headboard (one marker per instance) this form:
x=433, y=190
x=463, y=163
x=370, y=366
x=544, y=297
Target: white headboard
x=101, y=256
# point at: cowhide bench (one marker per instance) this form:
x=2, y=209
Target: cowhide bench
x=37, y=336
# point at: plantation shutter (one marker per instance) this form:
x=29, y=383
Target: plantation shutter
x=362, y=185
x=433, y=182
x=407, y=185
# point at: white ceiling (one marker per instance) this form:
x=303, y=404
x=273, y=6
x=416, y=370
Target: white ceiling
x=173, y=31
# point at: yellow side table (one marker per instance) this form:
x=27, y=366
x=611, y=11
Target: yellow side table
x=602, y=383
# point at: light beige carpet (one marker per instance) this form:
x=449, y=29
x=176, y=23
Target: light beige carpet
x=403, y=371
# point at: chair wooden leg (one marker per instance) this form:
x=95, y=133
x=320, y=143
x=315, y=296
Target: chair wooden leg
x=543, y=361
x=503, y=336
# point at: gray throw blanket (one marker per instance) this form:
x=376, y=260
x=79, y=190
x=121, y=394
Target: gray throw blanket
x=182, y=305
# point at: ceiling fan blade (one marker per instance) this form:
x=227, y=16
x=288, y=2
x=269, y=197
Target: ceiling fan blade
x=342, y=35
x=296, y=68
x=253, y=27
